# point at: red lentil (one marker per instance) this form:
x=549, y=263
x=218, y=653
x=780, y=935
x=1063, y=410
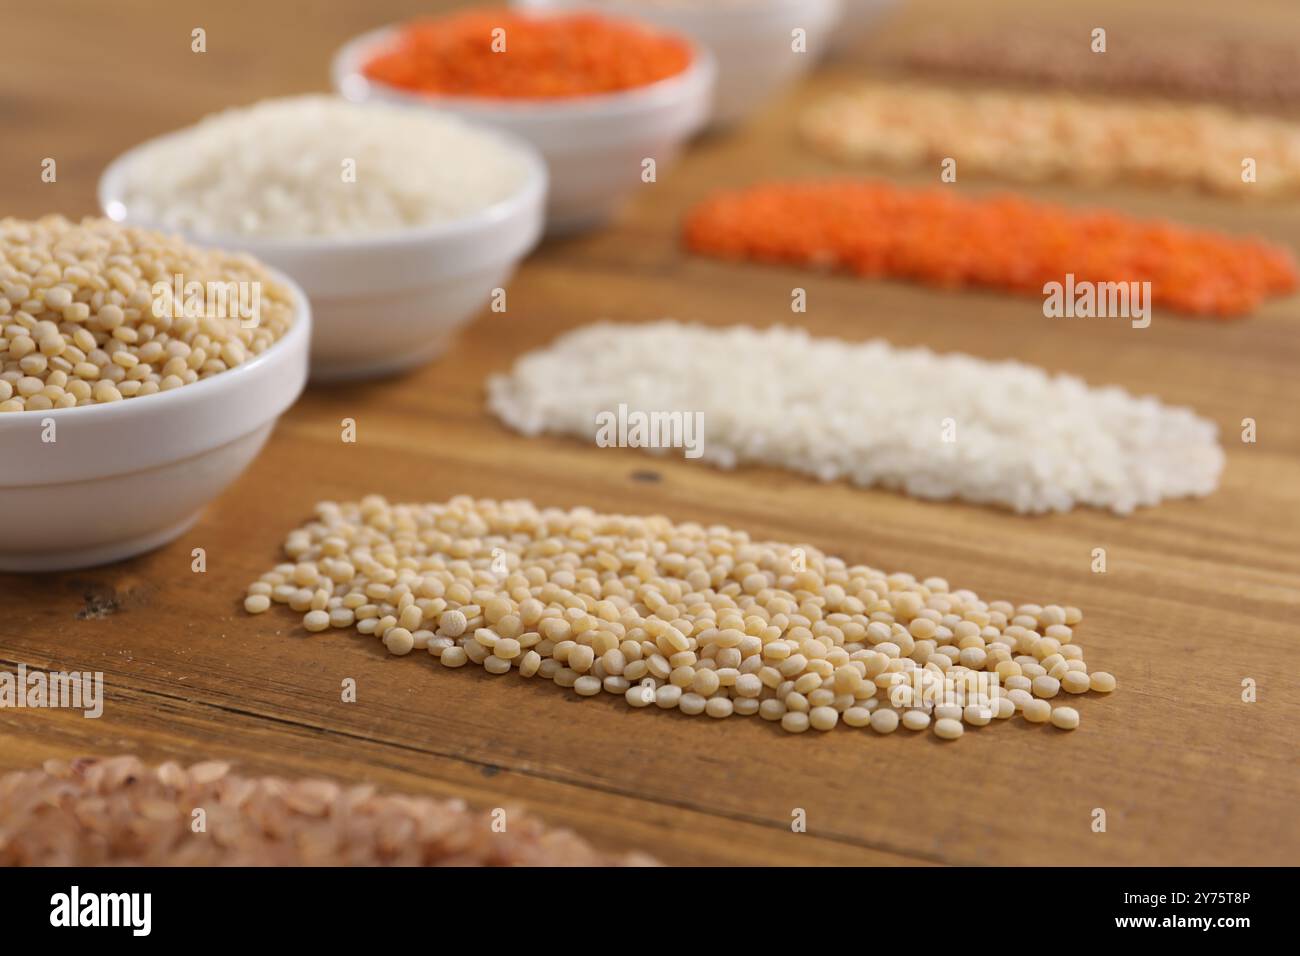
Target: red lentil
x=936, y=237
x=543, y=57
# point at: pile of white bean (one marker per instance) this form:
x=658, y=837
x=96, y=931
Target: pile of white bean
x=701, y=620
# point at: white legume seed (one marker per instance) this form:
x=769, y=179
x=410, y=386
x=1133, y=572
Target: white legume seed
x=639, y=695
x=1020, y=699
x=692, y=704
x=1066, y=718
x=668, y=696
x=771, y=709
x=1075, y=682
x=795, y=722
x=1102, y=682
x=316, y=620
x=1045, y=686
x=916, y=719
x=452, y=623
x=719, y=707
x=806, y=648
x=884, y=721
x=256, y=603
x=1037, y=711
x=398, y=640
x=410, y=618
x=855, y=716
x=529, y=663
x=948, y=729
x=823, y=718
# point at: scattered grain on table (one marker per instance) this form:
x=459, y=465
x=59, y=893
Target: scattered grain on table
x=704, y=620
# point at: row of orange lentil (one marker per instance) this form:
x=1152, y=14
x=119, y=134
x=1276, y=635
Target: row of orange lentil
x=932, y=236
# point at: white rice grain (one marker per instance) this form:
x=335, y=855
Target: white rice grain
x=934, y=426
x=318, y=166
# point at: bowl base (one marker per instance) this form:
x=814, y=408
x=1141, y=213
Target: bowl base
x=563, y=225
x=345, y=371
x=92, y=557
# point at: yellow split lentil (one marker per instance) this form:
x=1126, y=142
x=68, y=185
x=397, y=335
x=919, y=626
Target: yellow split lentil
x=705, y=620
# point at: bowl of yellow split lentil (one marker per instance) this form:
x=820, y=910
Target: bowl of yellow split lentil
x=139, y=376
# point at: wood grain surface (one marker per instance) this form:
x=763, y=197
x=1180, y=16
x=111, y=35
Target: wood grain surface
x=1198, y=595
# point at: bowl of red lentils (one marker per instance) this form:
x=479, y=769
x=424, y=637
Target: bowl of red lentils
x=139, y=376
x=760, y=46
x=608, y=102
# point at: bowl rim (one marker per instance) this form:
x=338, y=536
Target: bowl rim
x=711, y=13
x=298, y=335
x=532, y=190
x=352, y=84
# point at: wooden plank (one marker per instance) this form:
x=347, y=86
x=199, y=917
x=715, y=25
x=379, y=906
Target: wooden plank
x=1197, y=597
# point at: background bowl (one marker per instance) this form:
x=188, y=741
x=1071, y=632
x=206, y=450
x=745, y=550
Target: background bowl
x=387, y=301
x=858, y=18
x=125, y=477
x=751, y=42
x=594, y=146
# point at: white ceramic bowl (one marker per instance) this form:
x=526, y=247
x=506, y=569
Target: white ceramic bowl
x=751, y=41
x=385, y=302
x=594, y=145
x=123, y=478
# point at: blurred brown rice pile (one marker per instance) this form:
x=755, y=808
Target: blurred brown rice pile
x=118, y=811
x=1181, y=63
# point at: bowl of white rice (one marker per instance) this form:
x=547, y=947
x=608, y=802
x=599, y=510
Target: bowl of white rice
x=400, y=225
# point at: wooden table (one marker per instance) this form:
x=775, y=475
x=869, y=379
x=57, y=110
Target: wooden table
x=1198, y=596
